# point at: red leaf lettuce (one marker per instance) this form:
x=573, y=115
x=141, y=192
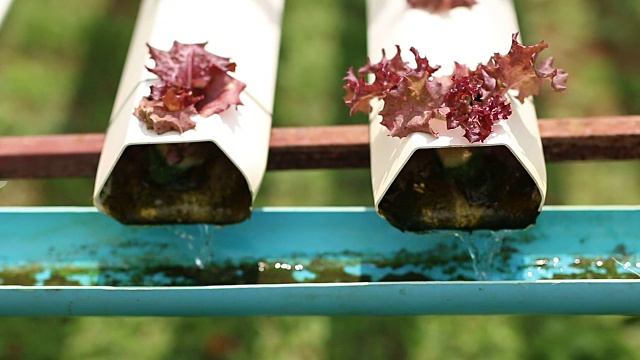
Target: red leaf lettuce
x=473, y=100
x=192, y=81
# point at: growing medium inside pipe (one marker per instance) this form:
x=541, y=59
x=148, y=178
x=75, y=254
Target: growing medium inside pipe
x=461, y=188
x=187, y=183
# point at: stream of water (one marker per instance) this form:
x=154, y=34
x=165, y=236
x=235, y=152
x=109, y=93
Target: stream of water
x=483, y=246
x=199, y=239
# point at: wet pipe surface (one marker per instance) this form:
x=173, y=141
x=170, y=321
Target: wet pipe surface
x=80, y=247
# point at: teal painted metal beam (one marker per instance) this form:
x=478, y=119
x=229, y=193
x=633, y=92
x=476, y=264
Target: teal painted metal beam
x=315, y=261
x=419, y=298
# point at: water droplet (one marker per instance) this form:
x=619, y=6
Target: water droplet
x=541, y=262
x=262, y=265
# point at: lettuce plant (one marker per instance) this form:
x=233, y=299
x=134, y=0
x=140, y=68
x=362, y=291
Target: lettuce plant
x=191, y=81
x=471, y=99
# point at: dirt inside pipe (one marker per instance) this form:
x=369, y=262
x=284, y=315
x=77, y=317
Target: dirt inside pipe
x=462, y=188
x=182, y=183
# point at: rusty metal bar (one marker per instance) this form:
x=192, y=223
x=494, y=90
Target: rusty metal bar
x=338, y=147
x=595, y=138
x=45, y=156
x=342, y=146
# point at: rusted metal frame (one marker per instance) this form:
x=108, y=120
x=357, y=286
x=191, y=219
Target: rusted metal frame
x=595, y=138
x=45, y=156
x=338, y=147
x=342, y=146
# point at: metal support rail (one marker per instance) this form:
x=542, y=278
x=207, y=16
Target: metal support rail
x=341, y=146
x=313, y=261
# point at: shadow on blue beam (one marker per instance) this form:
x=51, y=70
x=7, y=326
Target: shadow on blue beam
x=316, y=261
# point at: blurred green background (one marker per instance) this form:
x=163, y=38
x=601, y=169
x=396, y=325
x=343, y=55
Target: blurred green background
x=60, y=63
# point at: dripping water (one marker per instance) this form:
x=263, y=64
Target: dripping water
x=483, y=246
x=199, y=240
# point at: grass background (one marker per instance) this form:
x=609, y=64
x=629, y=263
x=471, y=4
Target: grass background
x=60, y=63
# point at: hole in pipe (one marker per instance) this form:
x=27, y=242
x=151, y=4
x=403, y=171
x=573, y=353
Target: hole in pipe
x=466, y=188
x=179, y=183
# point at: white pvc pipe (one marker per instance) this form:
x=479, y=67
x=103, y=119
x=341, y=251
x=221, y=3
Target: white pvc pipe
x=4, y=9
x=248, y=31
x=468, y=36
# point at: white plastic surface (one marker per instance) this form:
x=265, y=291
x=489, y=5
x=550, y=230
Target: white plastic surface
x=247, y=31
x=5, y=5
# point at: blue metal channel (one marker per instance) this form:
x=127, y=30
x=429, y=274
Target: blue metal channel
x=437, y=298
x=575, y=260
